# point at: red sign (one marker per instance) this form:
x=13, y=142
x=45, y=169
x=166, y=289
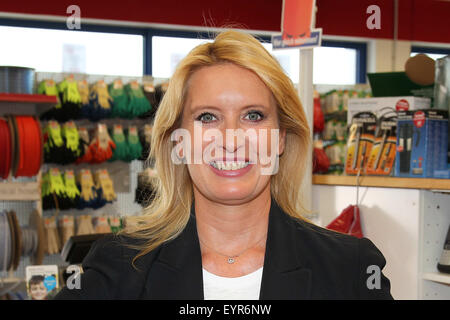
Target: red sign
x=297, y=19
x=402, y=105
x=419, y=119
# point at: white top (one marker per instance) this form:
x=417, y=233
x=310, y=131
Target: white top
x=239, y=288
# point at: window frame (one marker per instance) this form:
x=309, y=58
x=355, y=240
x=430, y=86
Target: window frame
x=432, y=50
x=147, y=33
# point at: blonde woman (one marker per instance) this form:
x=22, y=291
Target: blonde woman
x=230, y=142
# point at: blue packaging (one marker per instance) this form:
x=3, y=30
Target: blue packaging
x=422, y=140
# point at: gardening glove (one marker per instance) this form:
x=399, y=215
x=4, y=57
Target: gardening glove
x=120, y=99
x=134, y=145
x=121, y=150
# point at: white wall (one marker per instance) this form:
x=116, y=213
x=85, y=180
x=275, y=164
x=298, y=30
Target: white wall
x=390, y=218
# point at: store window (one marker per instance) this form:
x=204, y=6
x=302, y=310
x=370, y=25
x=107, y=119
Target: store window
x=168, y=51
x=332, y=65
x=434, y=53
x=49, y=50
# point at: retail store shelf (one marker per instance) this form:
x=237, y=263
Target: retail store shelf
x=20, y=191
x=383, y=182
x=437, y=277
x=11, y=280
x=28, y=98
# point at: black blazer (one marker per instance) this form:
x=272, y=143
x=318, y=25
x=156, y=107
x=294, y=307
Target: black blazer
x=302, y=261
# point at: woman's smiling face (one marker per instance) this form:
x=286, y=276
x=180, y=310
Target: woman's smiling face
x=227, y=99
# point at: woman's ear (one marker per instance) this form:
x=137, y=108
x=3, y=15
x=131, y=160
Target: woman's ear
x=282, y=141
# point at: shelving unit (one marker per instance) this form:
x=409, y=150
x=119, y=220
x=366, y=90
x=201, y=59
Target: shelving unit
x=406, y=218
x=22, y=190
x=437, y=277
x=383, y=182
x=28, y=98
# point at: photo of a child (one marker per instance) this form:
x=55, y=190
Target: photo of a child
x=37, y=289
x=42, y=282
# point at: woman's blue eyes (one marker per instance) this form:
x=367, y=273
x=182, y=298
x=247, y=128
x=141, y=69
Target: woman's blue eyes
x=207, y=117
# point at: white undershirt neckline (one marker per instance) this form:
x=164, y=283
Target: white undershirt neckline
x=246, y=287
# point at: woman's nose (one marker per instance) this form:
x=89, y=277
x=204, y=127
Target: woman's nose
x=233, y=134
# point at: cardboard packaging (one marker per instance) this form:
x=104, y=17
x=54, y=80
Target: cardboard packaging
x=382, y=156
x=422, y=139
x=375, y=105
x=442, y=90
x=360, y=141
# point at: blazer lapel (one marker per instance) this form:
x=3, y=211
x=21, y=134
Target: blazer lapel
x=284, y=277
x=177, y=272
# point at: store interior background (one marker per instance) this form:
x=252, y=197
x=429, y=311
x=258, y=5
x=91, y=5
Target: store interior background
x=408, y=225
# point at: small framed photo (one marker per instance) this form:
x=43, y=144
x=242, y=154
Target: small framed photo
x=42, y=281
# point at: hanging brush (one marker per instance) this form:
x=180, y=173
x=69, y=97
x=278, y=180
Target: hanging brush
x=101, y=225
x=115, y=224
x=84, y=225
x=53, y=242
x=66, y=225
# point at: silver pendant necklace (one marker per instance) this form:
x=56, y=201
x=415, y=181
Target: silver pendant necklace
x=232, y=259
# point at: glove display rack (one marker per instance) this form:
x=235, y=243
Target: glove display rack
x=71, y=150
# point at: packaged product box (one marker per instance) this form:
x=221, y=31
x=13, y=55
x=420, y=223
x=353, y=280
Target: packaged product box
x=422, y=139
x=360, y=142
x=382, y=156
x=442, y=84
x=375, y=105
x=442, y=90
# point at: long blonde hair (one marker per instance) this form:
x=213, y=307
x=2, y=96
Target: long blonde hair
x=167, y=215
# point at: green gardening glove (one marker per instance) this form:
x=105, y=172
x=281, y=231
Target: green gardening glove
x=134, y=144
x=138, y=103
x=121, y=150
x=120, y=99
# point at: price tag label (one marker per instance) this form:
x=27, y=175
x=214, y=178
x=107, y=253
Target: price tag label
x=118, y=84
x=134, y=85
x=53, y=125
x=118, y=129
x=101, y=84
x=69, y=174
x=133, y=131
x=149, y=87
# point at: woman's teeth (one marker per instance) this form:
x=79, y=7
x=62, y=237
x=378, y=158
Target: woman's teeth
x=231, y=165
